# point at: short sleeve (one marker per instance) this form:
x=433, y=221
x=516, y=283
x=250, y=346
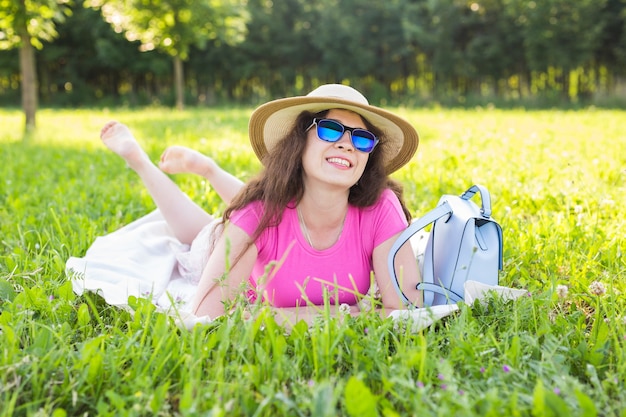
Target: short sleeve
x=247, y=218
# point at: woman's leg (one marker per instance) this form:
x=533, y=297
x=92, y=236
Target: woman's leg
x=179, y=159
x=184, y=216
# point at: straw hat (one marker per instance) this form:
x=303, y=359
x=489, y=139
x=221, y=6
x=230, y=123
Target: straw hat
x=272, y=121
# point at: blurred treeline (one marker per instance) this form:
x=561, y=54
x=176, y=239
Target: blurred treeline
x=452, y=52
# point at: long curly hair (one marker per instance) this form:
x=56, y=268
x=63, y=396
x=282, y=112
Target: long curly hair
x=281, y=181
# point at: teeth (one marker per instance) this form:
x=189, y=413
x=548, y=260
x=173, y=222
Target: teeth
x=339, y=161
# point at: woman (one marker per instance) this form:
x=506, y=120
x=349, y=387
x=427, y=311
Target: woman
x=316, y=222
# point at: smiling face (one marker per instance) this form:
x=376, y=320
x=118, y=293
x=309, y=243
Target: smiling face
x=339, y=163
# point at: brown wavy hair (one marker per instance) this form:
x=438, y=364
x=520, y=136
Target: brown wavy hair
x=281, y=181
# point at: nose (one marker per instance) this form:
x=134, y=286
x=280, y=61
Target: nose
x=345, y=142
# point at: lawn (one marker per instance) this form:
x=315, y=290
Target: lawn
x=557, y=179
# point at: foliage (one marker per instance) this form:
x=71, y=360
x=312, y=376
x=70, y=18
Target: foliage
x=173, y=26
x=71, y=63
x=38, y=17
x=552, y=32
x=25, y=24
x=452, y=52
x=556, y=190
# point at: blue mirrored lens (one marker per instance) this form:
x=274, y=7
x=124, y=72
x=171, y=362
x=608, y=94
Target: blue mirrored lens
x=329, y=131
x=362, y=140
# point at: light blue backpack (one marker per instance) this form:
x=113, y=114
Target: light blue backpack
x=464, y=243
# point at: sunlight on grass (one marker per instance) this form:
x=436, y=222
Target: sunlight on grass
x=557, y=180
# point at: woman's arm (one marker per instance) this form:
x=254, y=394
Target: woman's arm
x=226, y=272
x=407, y=272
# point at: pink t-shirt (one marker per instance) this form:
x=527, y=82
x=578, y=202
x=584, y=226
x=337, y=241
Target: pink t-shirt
x=344, y=269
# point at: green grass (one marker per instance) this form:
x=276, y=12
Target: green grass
x=557, y=179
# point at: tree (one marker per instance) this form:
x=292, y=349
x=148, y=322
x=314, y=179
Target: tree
x=362, y=40
x=442, y=41
x=174, y=26
x=25, y=24
x=611, y=51
x=88, y=62
x=561, y=35
x=278, y=34
x=494, y=49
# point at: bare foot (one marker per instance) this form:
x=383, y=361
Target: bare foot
x=118, y=138
x=179, y=160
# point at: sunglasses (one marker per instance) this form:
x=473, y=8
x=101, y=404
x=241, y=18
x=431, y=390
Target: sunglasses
x=331, y=131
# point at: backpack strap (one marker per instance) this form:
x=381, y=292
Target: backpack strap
x=438, y=212
x=485, y=198
x=449, y=294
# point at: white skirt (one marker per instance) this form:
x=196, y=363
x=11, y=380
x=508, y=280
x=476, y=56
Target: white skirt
x=144, y=259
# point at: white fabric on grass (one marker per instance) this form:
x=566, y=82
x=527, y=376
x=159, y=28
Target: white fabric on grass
x=144, y=259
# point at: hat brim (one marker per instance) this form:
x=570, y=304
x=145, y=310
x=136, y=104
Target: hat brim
x=272, y=121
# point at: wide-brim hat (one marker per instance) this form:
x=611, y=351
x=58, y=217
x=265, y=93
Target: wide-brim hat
x=272, y=121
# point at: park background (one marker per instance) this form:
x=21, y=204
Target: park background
x=415, y=52
x=524, y=97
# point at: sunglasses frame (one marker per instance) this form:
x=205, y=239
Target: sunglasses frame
x=317, y=121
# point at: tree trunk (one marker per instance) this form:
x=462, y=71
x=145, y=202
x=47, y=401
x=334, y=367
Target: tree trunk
x=29, y=80
x=179, y=83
